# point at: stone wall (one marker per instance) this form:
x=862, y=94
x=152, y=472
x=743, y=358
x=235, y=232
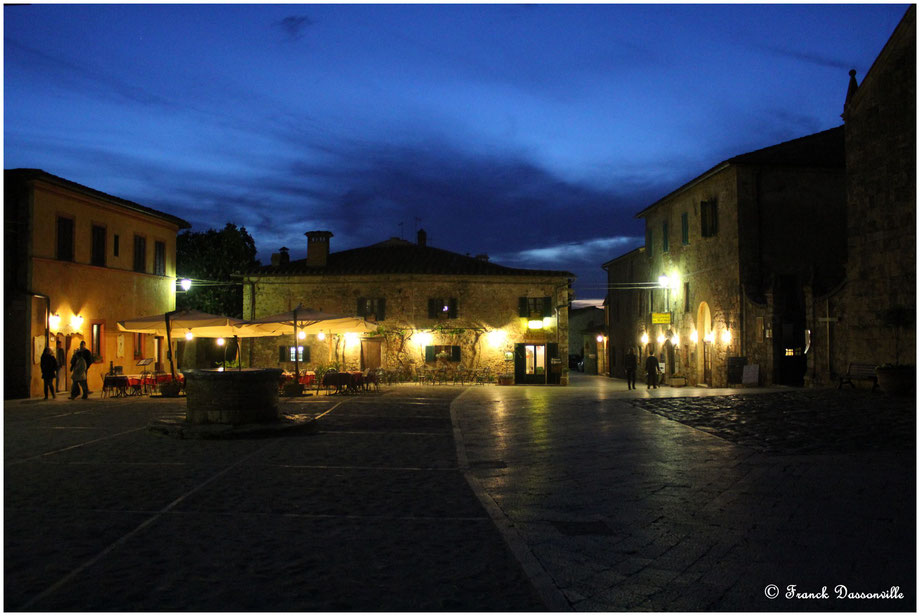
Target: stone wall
x=486, y=328
x=881, y=195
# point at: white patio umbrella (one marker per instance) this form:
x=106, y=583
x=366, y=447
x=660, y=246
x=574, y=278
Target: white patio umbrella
x=178, y=323
x=307, y=320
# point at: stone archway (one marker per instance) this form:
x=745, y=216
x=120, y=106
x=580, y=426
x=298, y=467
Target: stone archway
x=704, y=347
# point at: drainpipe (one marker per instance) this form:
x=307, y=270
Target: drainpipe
x=252, y=314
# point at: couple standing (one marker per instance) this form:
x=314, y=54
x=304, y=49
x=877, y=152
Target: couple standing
x=652, y=368
x=79, y=367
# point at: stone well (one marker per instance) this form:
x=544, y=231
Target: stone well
x=232, y=396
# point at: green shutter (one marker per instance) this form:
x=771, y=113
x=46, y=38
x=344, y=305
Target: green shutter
x=433, y=309
x=522, y=307
x=429, y=353
x=455, y=353
x=452, y=308
x=362, y=304
x=281, y=354
x=547, y=306
x=306, y=354
x=381, y=309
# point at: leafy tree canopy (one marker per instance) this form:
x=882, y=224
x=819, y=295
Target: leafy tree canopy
x=213, y=256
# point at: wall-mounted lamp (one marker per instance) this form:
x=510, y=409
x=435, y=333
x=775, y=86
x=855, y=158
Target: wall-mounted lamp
x=189, y=335
x=600, y=338
x=644, y=338
x=726, y=336
x=351, y=338
x=186, y=284
x=694, y=337
x=661, y=339
x=535, y=324
x=496, y=337
x=220, y=342
x=301, y=335
x=321, y=336
x=710, y=337
x=423, y=338
x=76, y=322
x=675, y=340
x=54, y=322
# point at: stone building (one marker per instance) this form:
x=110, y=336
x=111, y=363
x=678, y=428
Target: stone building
x=881, y=140
x=736, y=255
x=584, y=325
x=628, y=287
x=433, y=308
x=76, y=261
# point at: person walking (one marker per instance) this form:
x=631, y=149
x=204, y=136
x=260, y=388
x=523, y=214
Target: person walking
x=61, y=366
x=78, y=375
x=87, y=357
x=651, y=369
x=632, y=362
x=49, y=371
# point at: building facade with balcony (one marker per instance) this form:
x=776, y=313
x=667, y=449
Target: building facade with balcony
x=734, y=258
x=76, y=261
x=432, y=307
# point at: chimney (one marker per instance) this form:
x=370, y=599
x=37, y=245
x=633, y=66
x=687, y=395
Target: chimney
x=422, y=238
x=317, y=248
x=281, y=258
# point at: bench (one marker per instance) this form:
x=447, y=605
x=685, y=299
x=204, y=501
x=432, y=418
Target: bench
x=859, y=371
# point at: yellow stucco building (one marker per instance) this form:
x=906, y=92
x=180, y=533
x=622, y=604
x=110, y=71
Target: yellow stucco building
x=76, y=261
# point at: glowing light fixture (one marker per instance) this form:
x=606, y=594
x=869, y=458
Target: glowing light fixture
x=600, y=338
x=351, y=338
x=76, y=322
x=189, y=335
x=321, y=336
x=644, y=338
x=694, y=337
x=726, y=336
x=301, y=335
x=710, y=337
x=186, y=284
x=54, y=322
x=220, y=342
x=220, y=369
x=423, y=338
x=661, y=338
x=535, y=324
x=664, y=282
x=496, y=337
x=675, y=340
x=547, y=322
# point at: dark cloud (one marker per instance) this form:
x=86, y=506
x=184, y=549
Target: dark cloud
x=811, y=58
x=294, y=25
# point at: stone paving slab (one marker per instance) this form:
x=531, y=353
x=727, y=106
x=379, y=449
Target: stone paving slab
x=372, y=513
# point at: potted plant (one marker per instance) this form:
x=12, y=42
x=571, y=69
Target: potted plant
x=897, y=378
x=170, y=389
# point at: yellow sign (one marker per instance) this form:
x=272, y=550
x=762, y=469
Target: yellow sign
x=661, y=318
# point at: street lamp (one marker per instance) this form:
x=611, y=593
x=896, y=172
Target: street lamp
x=186, y=284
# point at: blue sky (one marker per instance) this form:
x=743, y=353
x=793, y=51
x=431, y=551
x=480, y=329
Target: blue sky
x=532, y=133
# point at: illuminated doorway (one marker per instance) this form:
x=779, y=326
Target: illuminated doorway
x=536, y=364
x=704, y=337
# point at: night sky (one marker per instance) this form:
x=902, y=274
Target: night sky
x=530, y=133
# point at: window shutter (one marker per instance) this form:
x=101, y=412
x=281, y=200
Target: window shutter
x=306, y=354
x=433, y=309
x=522, y=307
x=281, y=354
x=452, y=308
x=381, y=309
x=362, y=304
x=547, y=306
x=429, y=353
x=455, y=353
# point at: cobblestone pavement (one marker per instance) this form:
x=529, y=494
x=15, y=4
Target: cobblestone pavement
x=799, y=421
x=614, y=506
x=370, y=514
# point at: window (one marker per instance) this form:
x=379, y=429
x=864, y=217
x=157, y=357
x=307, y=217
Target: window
x=65, y=238
x=138, y=345
x=535, y=307
x=97, y=246
x=664, y=237
x=686, y=297
x=286, y=353
x=442, y=308
x=115, y=245
x=159, y=258
x=443, y=352
x=96, y=339
x=140, y=253
x=649, y=236
x=685, y=229
x=373, y=308
x=709, y=218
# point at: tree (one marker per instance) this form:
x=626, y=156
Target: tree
x=212, y=257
